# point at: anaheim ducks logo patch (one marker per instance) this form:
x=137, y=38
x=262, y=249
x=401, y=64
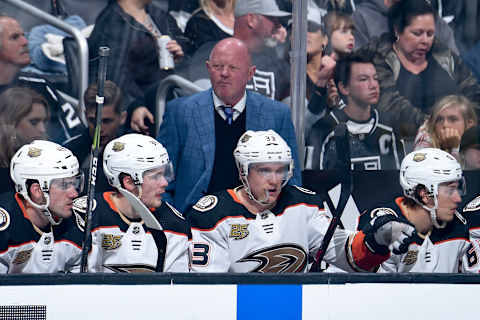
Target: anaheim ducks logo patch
x=473, y=205
x=111, y=242
x=80, y=205
x=118, y=146
x=4, y=219
x=206, y=203
x=305, y=190
x=378, y=212
x=287, y=257
x=34, y=152
x=410, y=257
x=419, y=156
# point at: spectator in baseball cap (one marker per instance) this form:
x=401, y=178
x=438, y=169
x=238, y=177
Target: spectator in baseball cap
x=264, y=7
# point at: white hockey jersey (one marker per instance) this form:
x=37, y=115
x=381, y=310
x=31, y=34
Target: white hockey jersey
x=228, y=238
x=439, y=251
x=123, y=245
x=24, y=248
x=471, y=212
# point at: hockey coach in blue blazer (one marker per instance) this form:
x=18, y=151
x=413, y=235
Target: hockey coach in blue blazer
x=200, y=131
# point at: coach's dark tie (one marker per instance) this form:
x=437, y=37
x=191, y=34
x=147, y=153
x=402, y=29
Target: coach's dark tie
x=228, y=113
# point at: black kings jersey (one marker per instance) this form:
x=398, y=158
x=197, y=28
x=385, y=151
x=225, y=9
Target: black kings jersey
x=24, y=248
x=120, y=244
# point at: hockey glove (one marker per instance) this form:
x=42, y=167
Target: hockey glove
x=385, y=233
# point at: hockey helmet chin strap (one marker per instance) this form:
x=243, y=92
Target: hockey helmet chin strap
x=44, y=209
x=250, y=194
x=433, y=213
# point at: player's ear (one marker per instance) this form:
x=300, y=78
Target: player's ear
x=424, y=196
x=36, y=193
x=127, y=183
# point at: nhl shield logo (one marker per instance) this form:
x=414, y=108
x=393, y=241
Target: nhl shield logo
x=34, y=152
x=118, y=146
x=418, y=157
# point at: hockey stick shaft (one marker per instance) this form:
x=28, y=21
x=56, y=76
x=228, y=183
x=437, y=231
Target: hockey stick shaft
x=343, y=167
x=103, y=53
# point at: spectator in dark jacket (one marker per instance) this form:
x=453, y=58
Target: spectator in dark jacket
x=414, y=70
x=131, y=29
x=213, y=21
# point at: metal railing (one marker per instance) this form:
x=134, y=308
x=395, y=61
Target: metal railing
x=164, y=87
x=79, y=39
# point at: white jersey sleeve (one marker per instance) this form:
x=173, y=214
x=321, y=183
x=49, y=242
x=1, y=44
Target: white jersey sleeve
x=178, y=251
x=210, y=249
x=470, y=263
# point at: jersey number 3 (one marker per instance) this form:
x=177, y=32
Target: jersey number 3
x=200, y=254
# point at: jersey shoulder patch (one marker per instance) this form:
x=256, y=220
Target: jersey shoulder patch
x=80, y=205
x=206, y=203
x=473, y=205
x=304, y=190
x=378, y=212
x=4, y=219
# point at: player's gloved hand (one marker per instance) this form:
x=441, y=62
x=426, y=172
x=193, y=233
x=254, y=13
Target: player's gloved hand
x=385, y=233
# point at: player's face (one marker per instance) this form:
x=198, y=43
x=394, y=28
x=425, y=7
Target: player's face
x=229, y=71
x=266, y=179
x=14, y=45
x=449, y=197
x=363, y=88
x=34, y=125
x=154, y=183
x=450, y=117
x=111, y=123
x=417, y=38
x=342, y=39
x=62, y=193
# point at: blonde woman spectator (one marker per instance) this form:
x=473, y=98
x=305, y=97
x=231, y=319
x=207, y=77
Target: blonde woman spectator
x=213, y=21
x=450, y=117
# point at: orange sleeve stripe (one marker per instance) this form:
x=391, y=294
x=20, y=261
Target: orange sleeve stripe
x=362, y=256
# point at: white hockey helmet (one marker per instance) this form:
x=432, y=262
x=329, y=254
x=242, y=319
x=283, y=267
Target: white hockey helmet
x=261, y=147
x=43, y=161
x=134, y=154
x=429, y=167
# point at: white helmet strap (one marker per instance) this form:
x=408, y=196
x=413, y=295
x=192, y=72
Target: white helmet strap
x=433, y=212
x=44, y=209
